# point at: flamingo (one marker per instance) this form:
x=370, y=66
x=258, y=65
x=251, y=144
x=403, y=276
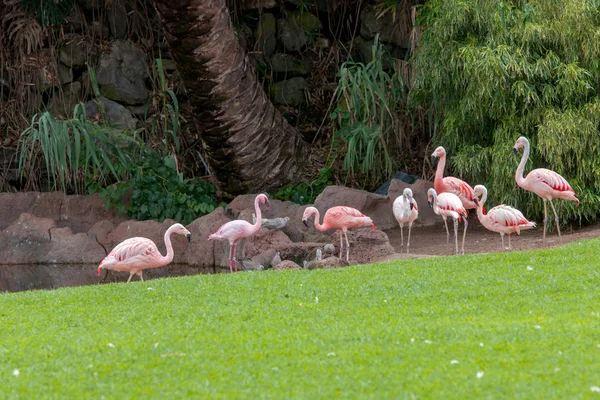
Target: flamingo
x=406, y=211
x=545, y=183
x=502, y=219
x=449, y=205
x=233, y=231
x=138, y=253
x=341, y=218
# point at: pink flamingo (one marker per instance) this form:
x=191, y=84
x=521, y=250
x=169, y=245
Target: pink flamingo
x=138, y=253
x=233, y=231
x=406, y=211
x=449, y=205
x=502, y=219
x=545, y=183
x=341, y=218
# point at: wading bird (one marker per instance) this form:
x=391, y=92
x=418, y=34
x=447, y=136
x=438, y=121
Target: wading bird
x=545, y=183
x=137, y=254
x=406, y=211
x=502, y=219
x=340, y=218
x=233, y=231
x=449, y=205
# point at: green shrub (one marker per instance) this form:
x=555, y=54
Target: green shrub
x=306, y=192
x=493, y=71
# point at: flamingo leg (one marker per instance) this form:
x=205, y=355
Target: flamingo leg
x=141, y=277
x=447, y=231
x=545, y=221
x=556, y=220
x=234, y=254
x=456, y=234
x=464, y=234
x=130, y=275
x=509, y=248
x=347, y=247
x=408, y=242
x=401, y=239
x=341, y=245
x=502, y=236
x=229, y=260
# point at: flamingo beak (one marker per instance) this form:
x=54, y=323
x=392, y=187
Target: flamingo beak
x=99, y=271
x=430, y=203
x=267, y=205
x=189, y=237
x=411, y=206
x=476, y=201
x=434, y=160
x=515, y=150
x=305, y=222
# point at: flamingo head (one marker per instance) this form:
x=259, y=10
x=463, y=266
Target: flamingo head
x=181, y=230
x=431, y=196
x=520, y=143
x=263, y=199
x=307, y=214
x=408, y=195
x=438, y=153
x=479, y=195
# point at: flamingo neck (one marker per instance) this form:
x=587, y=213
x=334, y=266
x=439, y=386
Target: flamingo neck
x=519, y=173
x=258, y=213
x=439, y=172
x=480, y=213
x=318, y=226
x=436, y=207
x=170, y=253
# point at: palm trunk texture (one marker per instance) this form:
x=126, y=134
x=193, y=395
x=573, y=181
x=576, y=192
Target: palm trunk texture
x=249, y=146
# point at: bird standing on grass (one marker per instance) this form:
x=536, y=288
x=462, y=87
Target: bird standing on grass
x=233, y=231
x=545, y=183
x=406, y=211
x=137, y=254
x=449, y=205
x=341, y=218
x=502, y=219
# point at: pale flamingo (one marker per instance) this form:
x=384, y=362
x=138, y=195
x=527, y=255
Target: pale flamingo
x=502, y=219
x=341, y=218
x=233, y=231
x=406, y=211
x=449, y=205
x=545, y=183
x=138, y=253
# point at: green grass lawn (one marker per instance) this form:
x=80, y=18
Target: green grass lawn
x=530, y=322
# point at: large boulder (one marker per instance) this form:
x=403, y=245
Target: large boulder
x=265, y=35
x=293, y=30
x=117, y=20
x=366, y=246
x=73, y=51
x=262, y=240
x=286, y=264
x=426, y=215
x=287, y=65
x=118, y=116
x=372, y=205
x=395, y=32
x=290, y=92
x=208, y=253
x=122, y=73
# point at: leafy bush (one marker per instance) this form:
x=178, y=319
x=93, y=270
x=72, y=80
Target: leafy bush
x=306, y=192
x=157, y=191
x=493, y=71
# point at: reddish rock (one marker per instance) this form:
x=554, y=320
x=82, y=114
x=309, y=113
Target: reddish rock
x=286, y=264
x=208, y=253
x=69, y=248
x=329, y=262
x=365, y=245
x=100, y=231
x=152, y=230
x=419, y=189
x=261, y=241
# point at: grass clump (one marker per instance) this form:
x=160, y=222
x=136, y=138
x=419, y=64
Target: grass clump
x=528, y=321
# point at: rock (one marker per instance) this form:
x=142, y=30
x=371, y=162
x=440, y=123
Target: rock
x=365, y=245
x=137, y=111
x=118, y=116
x=75, y=20
x=378, y=207
x=265, y=258
x=100, y=232
x=288, y=65
x=426, y=215
x=99, y=30
x=265, y=35
x=69, y=248
x=117, y=20
x=329, y=262
x=64, y=104
x=286, y=264
x=290, y=92
x=65, y=74
x=169, y=65
x=72, y=52
x=275, y=223
x=395, y=32
x=321, y=5
x=263, y=240
x=276, y=260
x=258, y=4
x=122, y=73
x=204, y=252
x=47, y=76
x=152, y=230
x=292, y=36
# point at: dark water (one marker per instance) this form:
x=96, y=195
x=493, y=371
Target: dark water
x=17, y=278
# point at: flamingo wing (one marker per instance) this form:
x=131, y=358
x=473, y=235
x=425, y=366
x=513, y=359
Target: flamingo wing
x=342, y=212
x=507, y=216
x=451, y=202
x=550, y=178
x=137, y=250
x=233, y=230
x=459, y=187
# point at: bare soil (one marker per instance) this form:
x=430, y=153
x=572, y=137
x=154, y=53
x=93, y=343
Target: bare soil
x=431, y=240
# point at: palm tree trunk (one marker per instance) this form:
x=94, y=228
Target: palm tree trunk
x=250, y=147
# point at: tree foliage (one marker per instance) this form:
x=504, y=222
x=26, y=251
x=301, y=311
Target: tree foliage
x=491, y=71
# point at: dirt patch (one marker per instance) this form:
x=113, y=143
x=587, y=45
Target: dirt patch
x=431, y=240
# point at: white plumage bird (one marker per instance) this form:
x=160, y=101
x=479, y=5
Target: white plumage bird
x=406, y=212
x=449, y=205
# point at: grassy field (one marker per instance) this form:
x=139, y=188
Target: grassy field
x=512, y=325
